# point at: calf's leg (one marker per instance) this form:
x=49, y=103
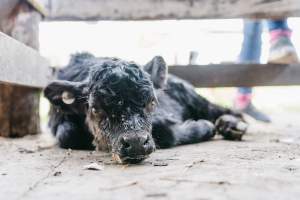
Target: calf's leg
x=167, y=133
x=229, y=123
x=231, y=127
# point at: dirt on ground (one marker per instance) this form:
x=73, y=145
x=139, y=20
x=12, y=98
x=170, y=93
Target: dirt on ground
x=265, y=165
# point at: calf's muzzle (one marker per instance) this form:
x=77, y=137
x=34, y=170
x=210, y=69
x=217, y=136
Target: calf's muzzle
x=134, y=148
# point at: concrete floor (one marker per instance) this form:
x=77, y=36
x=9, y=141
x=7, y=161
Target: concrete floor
x=266, y=165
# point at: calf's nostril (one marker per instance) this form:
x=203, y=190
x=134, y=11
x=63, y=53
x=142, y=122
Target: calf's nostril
x=125, y=143
x=147, y=141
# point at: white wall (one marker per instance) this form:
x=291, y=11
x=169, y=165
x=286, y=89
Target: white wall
x=216, y=40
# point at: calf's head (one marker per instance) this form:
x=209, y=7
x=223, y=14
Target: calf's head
x=117, y=99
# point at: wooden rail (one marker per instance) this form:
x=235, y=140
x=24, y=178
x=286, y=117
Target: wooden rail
x=22, y=65
x=232, y=75
x=168, y=9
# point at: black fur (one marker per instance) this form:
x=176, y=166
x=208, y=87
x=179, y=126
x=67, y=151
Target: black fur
x=114, y=100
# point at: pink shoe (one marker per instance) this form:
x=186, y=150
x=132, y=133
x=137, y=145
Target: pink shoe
x=282, y=51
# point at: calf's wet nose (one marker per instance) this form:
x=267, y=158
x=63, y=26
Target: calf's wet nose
x=135, y=147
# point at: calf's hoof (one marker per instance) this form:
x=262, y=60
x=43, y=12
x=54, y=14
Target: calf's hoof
x=231, y=127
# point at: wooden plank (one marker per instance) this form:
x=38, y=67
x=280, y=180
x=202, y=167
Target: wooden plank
x=22, y=65
x=168, y=9
x=232, y=75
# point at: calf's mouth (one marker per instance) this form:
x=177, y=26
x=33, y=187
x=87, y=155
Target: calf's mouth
x=129, y=160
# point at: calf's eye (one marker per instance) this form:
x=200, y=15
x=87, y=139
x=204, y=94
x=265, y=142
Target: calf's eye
x=98, y=112
x=151, y=106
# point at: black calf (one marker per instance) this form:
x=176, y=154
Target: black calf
x=118, y=106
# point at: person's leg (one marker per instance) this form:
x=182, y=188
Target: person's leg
x=282, y=50
x=250, y=53
x=280, y=24
x=251, y=47
x=243, y=98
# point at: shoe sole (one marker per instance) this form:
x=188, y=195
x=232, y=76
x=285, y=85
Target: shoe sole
x=286, y=59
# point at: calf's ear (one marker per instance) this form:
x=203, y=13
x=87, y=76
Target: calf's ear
x=158, y=70
x=70, y=96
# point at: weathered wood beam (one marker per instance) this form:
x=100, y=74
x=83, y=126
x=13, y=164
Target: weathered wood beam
x=19, y=64
x=168, y=9
x=233, y=75
x=22, y=65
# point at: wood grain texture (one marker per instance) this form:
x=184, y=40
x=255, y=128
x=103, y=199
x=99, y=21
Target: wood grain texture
x=233, y=75
x=168, y=9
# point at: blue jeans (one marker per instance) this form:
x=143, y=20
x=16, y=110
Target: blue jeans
x=251, y=47
x=278, y=24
